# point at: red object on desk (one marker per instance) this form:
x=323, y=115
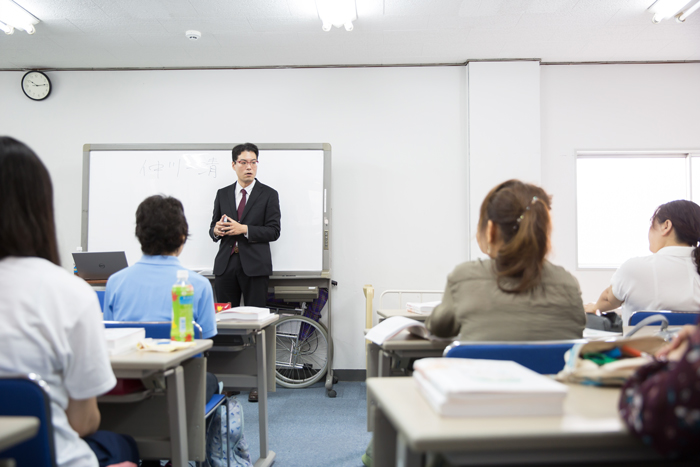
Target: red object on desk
x=126, y=386
x=222, y=306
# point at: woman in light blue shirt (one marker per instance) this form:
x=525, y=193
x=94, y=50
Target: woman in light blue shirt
x=142, y=292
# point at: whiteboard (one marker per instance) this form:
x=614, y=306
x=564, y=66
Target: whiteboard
x=116, y=178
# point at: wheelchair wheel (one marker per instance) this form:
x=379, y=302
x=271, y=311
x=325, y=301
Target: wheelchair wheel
x=301, y=351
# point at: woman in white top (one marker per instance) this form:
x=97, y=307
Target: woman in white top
x=51, y=322
x=667, y=280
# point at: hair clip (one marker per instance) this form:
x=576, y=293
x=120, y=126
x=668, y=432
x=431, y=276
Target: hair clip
x=519, y=219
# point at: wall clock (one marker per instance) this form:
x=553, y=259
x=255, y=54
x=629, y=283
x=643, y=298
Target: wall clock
x=36, y=85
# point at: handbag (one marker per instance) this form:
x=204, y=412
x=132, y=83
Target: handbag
x=226, y=444
x=579, y=369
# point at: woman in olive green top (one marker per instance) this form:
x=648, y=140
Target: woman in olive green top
x=516, y=295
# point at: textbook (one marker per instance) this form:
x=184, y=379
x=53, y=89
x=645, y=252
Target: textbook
x=391, y=327
x=246, y=313
x=424, y=308
x=121, y=340
x=465, y=387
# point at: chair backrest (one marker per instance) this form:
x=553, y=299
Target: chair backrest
x=154, y=329
x=101, y=298
x=26, y=395
x=544, y=357
x=675, y=318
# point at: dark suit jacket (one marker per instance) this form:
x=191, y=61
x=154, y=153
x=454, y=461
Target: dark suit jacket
x=261, y=215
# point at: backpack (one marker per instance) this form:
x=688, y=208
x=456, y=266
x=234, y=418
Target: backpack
x=223, y=440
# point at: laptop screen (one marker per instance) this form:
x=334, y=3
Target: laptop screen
x=99, y=265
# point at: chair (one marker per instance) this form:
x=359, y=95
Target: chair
x=26, y=395
x=675, y=318
x=101, y=298
x=154, y=329
x=544, y=357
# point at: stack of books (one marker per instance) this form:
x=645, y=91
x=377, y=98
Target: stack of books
x=245, y=313
x=464, y=387
x=121, y=340
x=424, y=308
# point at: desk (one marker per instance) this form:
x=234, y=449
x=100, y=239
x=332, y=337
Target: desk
x=14, y=430
x=589, y=430
x=384, y=314
x=402, y=347
x=241, y=368
x=160, y=424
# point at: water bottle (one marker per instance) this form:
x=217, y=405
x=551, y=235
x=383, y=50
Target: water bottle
x=183, y=301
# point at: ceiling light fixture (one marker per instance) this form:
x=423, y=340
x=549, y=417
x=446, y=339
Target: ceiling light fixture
x=683, y=15
x=336, y=13
x=13, y=16
x=665, y=9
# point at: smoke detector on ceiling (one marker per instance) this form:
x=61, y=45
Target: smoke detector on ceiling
x=193, y=35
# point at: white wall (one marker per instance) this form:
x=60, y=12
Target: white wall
x=399, y=157
x=399, y=137
x=609, y=107
x=504, y=130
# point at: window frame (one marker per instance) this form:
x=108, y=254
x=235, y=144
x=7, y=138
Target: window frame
x=687, y=154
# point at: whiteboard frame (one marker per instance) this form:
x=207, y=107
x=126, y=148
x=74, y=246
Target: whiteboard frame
x=326, y=235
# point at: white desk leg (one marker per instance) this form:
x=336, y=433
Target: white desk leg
x=383, y=364
x=373, y=356
x=404, y=456
x=384, y=449
x=175, y=392
x=267, y=457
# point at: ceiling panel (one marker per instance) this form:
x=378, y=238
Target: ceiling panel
x=251, y=33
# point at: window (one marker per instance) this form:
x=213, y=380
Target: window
x=617, y=195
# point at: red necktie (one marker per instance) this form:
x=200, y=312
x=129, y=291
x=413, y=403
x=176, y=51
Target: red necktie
x=241, y=207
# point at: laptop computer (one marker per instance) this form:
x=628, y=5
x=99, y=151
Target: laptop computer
x=99, y=265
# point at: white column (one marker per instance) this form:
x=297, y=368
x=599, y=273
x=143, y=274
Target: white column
x=504, y=130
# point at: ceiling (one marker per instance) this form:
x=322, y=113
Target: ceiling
x=108, y=34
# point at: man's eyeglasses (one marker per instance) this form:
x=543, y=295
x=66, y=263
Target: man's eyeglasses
x=244, y=163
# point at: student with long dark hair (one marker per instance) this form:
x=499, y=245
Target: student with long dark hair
x=667, y=280
x=516, y=294
x=51, y=320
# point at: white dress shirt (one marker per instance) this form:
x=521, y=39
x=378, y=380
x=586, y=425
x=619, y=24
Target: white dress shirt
x=666, y=280
x=239, y=197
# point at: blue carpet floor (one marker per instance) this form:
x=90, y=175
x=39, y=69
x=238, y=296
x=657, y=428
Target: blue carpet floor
x=309, y=429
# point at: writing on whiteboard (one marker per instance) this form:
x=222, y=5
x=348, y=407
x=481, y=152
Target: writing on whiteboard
x=186, y=164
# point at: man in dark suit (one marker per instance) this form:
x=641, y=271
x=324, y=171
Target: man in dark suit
x=246, y=219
